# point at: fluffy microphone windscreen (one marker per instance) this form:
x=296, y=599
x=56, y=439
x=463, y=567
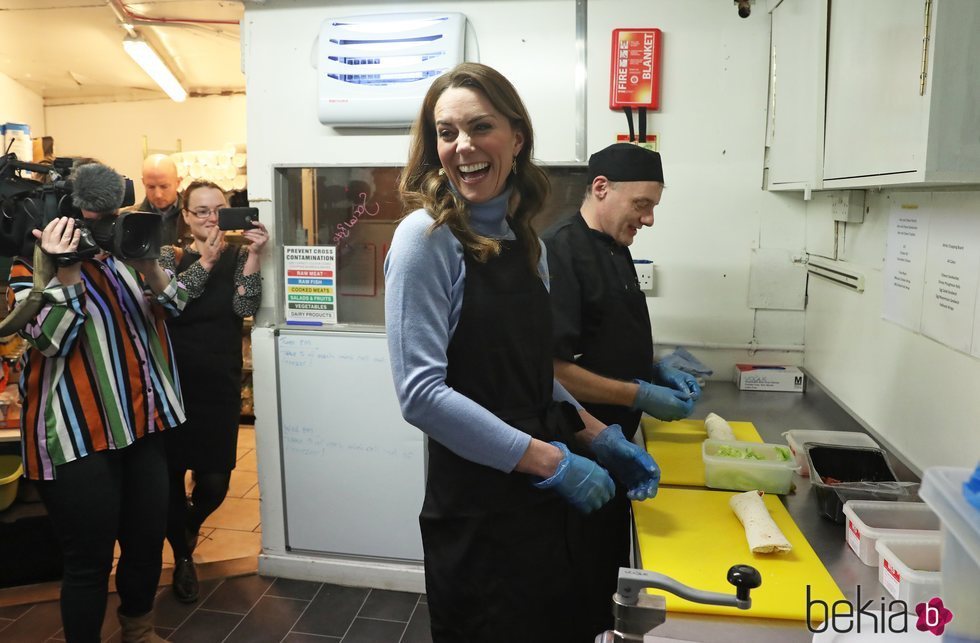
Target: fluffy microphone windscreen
x=97, y=188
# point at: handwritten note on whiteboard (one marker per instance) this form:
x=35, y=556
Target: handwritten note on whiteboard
x=952, y=272
x=353, y=468
x=905, y=260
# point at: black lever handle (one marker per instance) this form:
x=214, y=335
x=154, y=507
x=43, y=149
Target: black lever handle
x=744, y=578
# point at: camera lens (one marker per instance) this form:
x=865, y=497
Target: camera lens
x=133, y=242
x=137, y=236
x=744, y=9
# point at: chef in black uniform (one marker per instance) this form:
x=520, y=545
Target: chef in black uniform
x=603, y=347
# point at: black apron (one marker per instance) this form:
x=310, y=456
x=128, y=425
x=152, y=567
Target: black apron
x=207, y=343
x=497, y=563
x=623, y=346
x=621, y=349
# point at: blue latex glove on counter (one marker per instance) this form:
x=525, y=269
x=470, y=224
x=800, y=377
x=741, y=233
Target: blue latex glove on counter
x=580, y=481
x=661, y=402
x=628, y=463
x=683, y=359
x=676, y=379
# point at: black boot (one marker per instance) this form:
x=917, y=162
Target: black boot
x=185, y=586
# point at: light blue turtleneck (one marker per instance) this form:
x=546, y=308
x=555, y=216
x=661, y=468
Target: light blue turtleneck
x=424, y=283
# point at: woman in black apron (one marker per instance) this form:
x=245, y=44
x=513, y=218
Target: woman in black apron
x=224, y=286
x=469, y=333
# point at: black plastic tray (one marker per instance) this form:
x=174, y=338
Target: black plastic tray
x=865, y=468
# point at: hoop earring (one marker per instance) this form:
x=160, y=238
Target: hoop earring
x=513, y=167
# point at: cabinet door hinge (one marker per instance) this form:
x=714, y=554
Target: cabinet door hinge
x=923, y=71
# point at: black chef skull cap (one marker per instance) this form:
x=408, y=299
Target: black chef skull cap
x=626, y=162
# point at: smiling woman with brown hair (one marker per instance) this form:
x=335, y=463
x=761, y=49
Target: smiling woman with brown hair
x=469, y=333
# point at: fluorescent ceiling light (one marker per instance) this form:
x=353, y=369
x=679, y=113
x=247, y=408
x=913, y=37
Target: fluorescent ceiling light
x=144, y=55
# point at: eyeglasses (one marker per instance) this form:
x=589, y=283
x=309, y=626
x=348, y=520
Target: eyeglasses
x=204, y=213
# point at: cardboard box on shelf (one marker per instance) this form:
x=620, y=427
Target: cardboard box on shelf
x=762, y=377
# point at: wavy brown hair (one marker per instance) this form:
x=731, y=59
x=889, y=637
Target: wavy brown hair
x=421, y=186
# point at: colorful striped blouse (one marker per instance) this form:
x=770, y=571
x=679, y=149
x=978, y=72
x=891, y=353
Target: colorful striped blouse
x=100, y=373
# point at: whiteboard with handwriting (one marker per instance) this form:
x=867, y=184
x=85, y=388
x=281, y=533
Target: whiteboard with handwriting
x=353, y=469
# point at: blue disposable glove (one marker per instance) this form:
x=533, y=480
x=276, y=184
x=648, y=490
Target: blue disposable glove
x=661, y=402
x=630, y=464
x=683, y=359
x=580, y=481
x=675, y=378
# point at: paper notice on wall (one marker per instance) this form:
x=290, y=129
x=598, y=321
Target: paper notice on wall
x=311, y=293
x=905, y=260
x=976, y=326
x=952, y=272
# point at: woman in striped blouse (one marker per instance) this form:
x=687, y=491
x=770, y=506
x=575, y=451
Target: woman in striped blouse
x=99, y=385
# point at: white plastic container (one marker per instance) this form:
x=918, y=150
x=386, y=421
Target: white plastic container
x=865, y=521
x=772, y=472
x=798, y=437
x=910, y=569
x=942, y=490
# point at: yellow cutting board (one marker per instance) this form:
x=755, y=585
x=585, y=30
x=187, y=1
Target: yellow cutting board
x=693, y=536
x=676, y=446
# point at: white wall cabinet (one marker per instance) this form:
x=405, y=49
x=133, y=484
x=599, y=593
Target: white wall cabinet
x=882, y=129
x=797, y=84
x=902, y=103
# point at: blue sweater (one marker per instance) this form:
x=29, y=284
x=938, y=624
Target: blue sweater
x=424, y=283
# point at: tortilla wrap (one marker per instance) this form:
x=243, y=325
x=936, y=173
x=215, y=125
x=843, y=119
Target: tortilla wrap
x=717, y=428
x=761, y=531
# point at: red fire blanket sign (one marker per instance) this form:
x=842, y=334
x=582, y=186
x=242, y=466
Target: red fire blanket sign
x=635, y=76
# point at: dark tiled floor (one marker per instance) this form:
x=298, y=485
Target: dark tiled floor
x=253, y=609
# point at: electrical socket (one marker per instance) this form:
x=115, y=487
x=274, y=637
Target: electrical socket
x=644, y=273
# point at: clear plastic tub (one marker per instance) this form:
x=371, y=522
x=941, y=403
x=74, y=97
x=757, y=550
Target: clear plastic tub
x=942, y=490
x=798, y=437
x=769, y=468
x=868, y=520
x=910, y=569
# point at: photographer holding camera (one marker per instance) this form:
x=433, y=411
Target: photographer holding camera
x=224, y=286
x=99, y=385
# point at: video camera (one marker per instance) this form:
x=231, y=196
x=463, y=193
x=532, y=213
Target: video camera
x=26, y=205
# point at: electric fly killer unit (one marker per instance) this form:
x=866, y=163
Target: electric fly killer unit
x=374, y=70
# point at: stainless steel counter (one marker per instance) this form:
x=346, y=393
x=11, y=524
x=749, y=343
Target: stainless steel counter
x=773, y=413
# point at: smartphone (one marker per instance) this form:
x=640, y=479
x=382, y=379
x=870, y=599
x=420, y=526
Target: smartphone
x=237, y=218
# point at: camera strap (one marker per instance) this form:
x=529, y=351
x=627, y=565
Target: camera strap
x=27, y=309
x=63, y=259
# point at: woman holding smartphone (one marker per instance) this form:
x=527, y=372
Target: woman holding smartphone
x=224, y=286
